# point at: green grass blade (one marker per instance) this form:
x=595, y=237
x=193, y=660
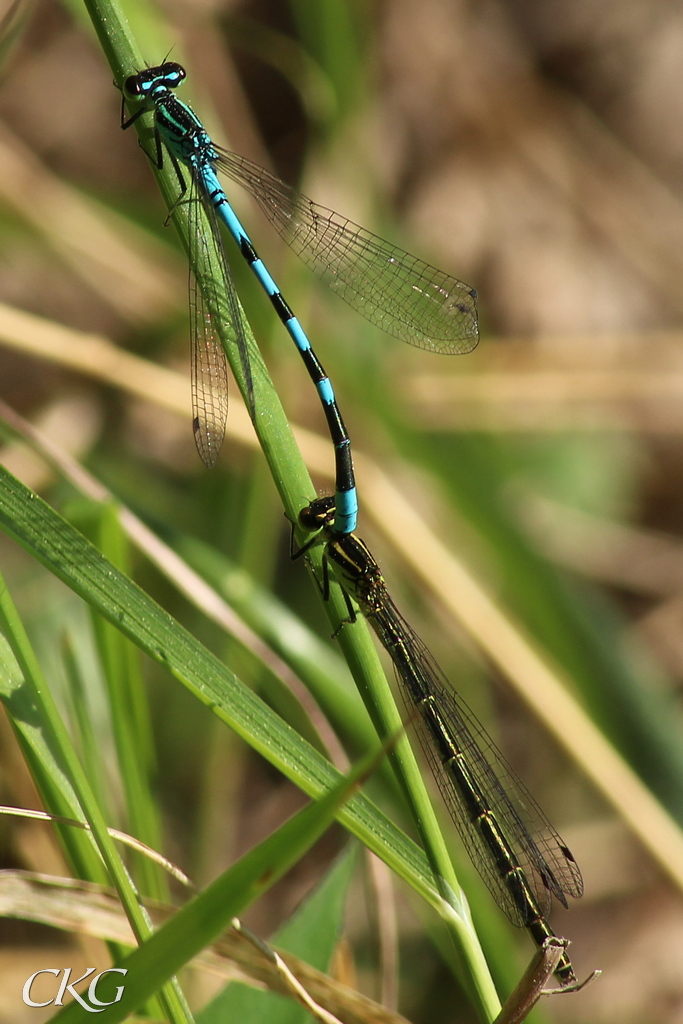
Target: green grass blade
x=130, y=717
x=311, y=934
x=38, y=707
x=58, y=546
x=204, y=918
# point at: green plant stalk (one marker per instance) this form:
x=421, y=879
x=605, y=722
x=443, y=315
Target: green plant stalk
x=296, y=490
x=270, y=423
x=82, y=725
x=130, y=719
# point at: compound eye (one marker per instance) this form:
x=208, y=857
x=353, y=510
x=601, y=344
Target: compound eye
x=174, y=74
x=133, y=86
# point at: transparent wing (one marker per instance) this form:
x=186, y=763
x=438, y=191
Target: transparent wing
x=527, y=835
x=397, y=292
x=207, y=357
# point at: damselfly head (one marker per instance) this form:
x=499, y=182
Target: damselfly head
x=318, y=514
x=163, y=76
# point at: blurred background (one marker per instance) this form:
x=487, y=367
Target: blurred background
x=532, y=149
